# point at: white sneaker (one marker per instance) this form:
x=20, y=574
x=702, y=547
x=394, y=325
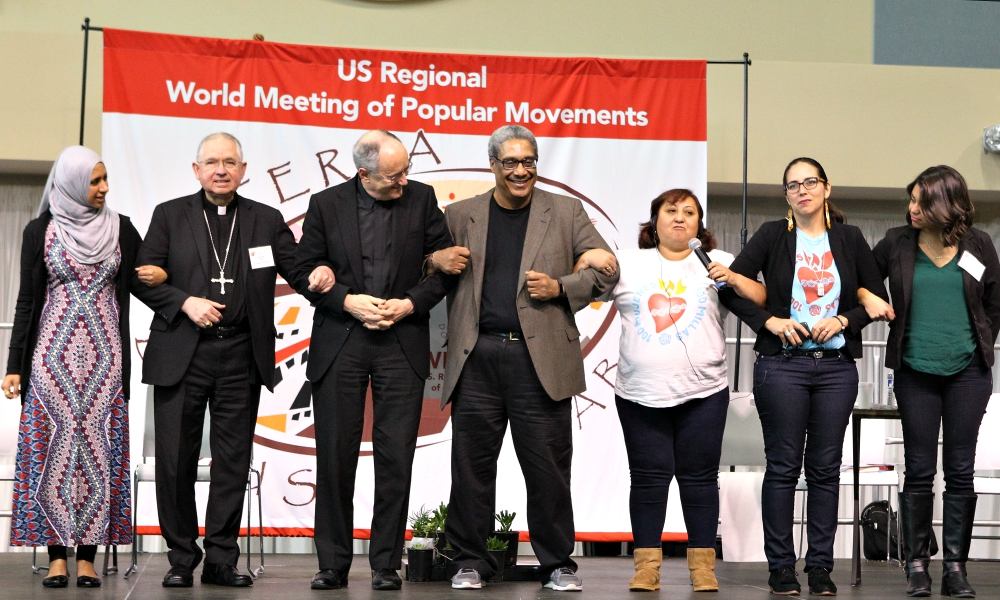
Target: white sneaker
x=466, y=579
x=564, y=579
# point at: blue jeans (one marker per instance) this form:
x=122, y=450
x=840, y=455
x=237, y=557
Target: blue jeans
x=959, y=402
x=683, y=440
x=800, y=398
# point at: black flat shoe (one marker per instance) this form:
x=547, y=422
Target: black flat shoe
x=86, y=581
x=56, y=581
x=224, y=575
x=326, y=579
x=386, y=579
x=178, y=577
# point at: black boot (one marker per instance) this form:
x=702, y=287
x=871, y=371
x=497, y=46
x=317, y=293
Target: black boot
x=915, y=512
x=956, y=537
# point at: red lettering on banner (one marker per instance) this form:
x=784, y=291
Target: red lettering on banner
x=243, y=80
x=302, y=483
x=423, y=138
x=323, y=166
x=275, y=176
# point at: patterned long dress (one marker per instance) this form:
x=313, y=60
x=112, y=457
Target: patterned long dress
x=72, y=485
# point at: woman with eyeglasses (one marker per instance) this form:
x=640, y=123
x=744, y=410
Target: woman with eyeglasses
x=69, y=362
x=805, y=379
x=944, y=276
x=671, y=387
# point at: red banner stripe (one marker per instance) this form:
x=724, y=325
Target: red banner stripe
x=207, y=78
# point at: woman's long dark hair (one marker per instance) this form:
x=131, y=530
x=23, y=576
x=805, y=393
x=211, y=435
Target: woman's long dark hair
x=836, y=215
x=647, y=231
x=944, y=202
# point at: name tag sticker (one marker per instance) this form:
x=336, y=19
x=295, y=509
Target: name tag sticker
x=261, y=257
x=972, y=265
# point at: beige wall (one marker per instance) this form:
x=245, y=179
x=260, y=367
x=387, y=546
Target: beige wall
x=813, y=87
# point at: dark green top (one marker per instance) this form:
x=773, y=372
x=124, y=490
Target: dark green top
x=939, y=334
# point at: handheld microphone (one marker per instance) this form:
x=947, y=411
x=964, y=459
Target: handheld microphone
x=695, y=245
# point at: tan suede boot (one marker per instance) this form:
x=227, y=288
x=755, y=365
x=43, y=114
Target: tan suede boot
x=701, y=563
x=647, y=570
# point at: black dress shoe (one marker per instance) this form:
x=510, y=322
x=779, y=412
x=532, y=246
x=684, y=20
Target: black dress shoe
x=386, y=579
x=178, y=577
x=86, y=581
x=225, y=575
x=56, y=581
x=326, y=579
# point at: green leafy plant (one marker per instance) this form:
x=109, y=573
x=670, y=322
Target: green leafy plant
x=495, y=543
x=419, y=546
x=438, y=517
x=505, y=519
x=420, y=522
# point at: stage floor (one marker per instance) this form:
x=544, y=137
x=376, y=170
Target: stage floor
x=287, y=577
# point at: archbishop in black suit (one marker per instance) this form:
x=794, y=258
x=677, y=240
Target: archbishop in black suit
x=375, y=231
x=211, y=343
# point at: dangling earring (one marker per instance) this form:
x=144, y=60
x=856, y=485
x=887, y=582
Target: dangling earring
x=826, y=209
x=791, y=221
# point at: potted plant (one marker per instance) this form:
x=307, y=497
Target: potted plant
x=419, y=562
x=422, y=528
x=498, y=550
x=506, y=520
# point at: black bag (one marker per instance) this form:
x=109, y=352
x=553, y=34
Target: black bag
x=876, y=518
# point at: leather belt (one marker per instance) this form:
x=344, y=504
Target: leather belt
x=813, y=353
x=513, y=336
x=225, y=332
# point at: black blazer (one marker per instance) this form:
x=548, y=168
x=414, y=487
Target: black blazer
x=771, y=251
x=896, y=256
x=177, y=241
x=34, y=288
x=330, y=234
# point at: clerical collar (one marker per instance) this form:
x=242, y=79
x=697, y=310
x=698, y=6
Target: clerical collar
x=213, y=209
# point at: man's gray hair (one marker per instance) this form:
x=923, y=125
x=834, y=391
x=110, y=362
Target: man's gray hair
x=367, y=149
x=217, y=136
x=508, y=133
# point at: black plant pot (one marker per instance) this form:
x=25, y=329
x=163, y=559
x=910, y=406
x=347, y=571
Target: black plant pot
x=419, y=564
x=511, y=538
x=500, y=556
x=440, y=543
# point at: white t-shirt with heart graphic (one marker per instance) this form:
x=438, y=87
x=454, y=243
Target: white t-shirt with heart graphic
x=673, y=347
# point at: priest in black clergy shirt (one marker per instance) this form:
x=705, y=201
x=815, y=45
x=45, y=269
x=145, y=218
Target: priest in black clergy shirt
x=211, y=343
x=375, y=231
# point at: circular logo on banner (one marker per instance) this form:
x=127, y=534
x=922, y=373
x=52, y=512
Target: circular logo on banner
x=285, y=417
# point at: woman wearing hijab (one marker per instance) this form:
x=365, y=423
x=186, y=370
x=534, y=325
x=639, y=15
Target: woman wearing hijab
x=70, y=321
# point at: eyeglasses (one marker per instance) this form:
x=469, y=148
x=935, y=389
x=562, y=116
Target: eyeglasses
x=809, y=183
x=509, y=164
x=213, y=163
x=393, y=179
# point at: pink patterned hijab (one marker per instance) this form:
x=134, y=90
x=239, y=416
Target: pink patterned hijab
x=90, y=235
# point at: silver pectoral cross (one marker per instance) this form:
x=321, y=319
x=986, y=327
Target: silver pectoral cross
x=222, y=281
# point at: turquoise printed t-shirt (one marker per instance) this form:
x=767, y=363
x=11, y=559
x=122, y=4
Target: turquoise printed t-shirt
x=815, y=287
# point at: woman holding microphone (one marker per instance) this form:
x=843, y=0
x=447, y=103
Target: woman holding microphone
x=805, y=379
x=671, y=388
x=945, y=282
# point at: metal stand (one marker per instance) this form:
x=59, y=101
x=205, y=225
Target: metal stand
x=743, y=231
x=83, y=91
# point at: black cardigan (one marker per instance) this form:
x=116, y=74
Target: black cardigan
x=771, y=251
x=34, y=287
x=896, y=256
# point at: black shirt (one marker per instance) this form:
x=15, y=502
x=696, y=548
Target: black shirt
x=504, y=246
x=220, y=226
x=375, y=230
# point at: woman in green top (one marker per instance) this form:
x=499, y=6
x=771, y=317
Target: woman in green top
x=944, y=279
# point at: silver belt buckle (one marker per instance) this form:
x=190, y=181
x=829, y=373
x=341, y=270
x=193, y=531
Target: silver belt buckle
x=818, y=354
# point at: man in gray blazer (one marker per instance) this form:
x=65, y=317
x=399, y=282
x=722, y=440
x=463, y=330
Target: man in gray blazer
x=514, y=355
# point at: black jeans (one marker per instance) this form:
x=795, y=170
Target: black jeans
x=499, y=384
x=87, y=553
x=685, y=440
x=958, y=402
x=804, y=405
x=222, y=377
x=375, y=358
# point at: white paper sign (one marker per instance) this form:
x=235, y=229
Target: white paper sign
x=972, y=265
x=261, y=257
